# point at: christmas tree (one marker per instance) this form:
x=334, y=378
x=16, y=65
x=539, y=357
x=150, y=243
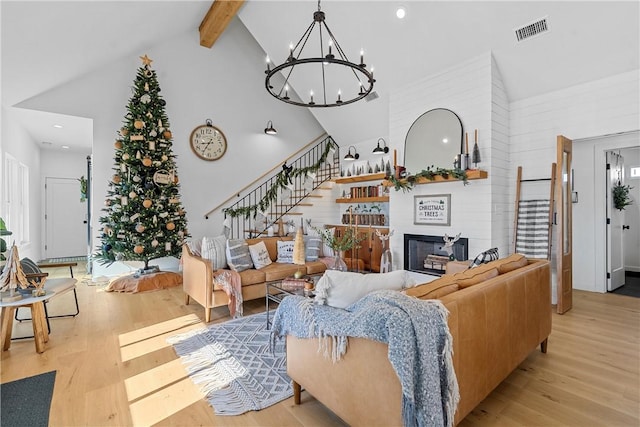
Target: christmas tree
x=144, y=218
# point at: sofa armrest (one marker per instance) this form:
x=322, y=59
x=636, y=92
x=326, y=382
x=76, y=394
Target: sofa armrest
x=197, y=278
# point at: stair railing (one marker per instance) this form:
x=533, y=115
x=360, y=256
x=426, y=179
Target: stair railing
x=278, y=195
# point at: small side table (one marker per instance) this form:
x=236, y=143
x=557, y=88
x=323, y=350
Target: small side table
x=40, y=330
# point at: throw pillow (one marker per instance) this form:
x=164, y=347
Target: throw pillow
x=435, y=289
x=475, y=276
x=238, y=255
x=484, y=257
x=511, y=263
x=195, y=246
x=342, y=288
x=214, y=249
x=285, y=252
x=259, y=255
x=325, y=250
x=312, y=247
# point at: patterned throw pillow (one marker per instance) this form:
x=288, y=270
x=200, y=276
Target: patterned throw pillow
x=312, y=248
x=285, y=252
x=259, y=255
x=214, y=249
x=485, y=257
x=238, y=255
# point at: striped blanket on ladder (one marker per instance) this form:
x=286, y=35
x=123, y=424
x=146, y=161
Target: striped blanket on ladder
x=532, y=228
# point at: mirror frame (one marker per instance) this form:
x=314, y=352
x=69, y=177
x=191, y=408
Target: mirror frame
x=460, y=149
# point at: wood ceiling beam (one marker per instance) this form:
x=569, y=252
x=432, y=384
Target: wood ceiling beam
x=216, y=20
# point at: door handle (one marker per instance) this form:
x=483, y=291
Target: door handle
x=84, y=222
x=625, y=227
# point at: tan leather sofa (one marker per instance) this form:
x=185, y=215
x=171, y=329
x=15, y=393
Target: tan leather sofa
x=197, y=276
x=496, y=318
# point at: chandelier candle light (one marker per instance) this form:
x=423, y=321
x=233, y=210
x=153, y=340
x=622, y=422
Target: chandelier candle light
x=335, y=73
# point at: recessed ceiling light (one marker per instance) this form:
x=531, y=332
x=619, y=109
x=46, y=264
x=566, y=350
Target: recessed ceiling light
x=57, y=126
x=66, y=147
x=401, y=13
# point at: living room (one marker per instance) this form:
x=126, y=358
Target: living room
x=195, y=80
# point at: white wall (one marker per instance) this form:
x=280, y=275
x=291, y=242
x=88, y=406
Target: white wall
x=224, y=84
x=474, y=91
x=632, y=212
x=603, y=107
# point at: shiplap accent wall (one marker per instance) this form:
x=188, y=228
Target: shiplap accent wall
x=474, y=91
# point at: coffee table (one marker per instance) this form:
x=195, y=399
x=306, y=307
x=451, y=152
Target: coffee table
x=277, y=290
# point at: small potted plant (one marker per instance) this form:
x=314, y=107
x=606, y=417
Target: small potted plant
x=339, y=244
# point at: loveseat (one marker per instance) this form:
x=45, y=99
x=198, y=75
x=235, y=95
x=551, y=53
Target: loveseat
x=198, y=283
x=498, y=313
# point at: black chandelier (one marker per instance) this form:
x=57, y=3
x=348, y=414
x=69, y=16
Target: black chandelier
x=345, y=81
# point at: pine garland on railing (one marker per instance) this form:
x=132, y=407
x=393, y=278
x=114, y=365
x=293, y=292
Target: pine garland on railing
x=282, y=179
x=407, y=184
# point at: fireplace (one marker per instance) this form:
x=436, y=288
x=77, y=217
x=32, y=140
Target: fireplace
x=426, y=254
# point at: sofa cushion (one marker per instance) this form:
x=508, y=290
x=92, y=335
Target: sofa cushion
x=474, y=276
x=510, y=263
x=485, y=257
x=285, y=252
x=278, y=271
x=342, y=288
x=251, y=277
x=214, y=250
x=259, y=255
x=238, y=256
x=312, y=246
x=315, y=267
x=435, y=289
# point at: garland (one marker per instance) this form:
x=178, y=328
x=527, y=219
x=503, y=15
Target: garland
x=407, y=184
x=283, y=177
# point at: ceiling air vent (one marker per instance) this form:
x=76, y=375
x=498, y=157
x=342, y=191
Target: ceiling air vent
x=373, y=95
x=532, y=29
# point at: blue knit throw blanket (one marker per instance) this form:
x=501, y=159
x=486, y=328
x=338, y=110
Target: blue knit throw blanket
x=416, y=331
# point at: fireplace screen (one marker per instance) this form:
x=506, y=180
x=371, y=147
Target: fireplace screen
x=428, y=254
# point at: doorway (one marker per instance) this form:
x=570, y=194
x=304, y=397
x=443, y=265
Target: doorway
x=590, y=208
x=65, y=219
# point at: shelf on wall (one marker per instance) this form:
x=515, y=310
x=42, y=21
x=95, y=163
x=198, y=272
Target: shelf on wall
x=360, y=178
x=363, y=199
x=471, y=175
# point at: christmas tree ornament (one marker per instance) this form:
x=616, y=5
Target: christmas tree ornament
x=106, y=247
x=148, y=185
x=137, y=137
x=147, y=203
x=167, y=246
x=140, y=228
x=124, y=201
x=136, y=178
x=138, y=124
x=170, y=226
x=145, y=99
x=118, y=144
x=164, y=158
x=116, y=179
x=124, y=131
x=146, y=87
x=125, y=156
x=147, y=162
x=134, y=217
x=167, y=134
x=149, y=115
x=138, y=155
x=152, y=144
x=154, y=243
x=107, y=202
x=148, y=73
x=138, y=249
x=133, y=195
x=162, y=102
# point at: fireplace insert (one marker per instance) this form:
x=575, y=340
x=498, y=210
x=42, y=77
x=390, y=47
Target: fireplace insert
x=426, y=254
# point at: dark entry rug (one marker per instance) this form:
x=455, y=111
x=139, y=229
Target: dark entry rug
x=631, y=285
x=26, y=402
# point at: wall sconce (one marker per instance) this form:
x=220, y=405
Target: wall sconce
x=354, y=156
x=270, y=130
x=381, y=150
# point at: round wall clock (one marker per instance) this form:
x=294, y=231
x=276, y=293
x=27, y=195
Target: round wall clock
x=208, y=142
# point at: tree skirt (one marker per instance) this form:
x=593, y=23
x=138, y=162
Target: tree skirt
x=147, y=282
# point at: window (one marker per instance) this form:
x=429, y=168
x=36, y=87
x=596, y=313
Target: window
x=16, y=207
x=635, y=172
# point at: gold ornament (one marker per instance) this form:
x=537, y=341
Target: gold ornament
x=146, y=161
x=146, y=60
x=133, y=195
x=167, y=134
x=170, y=226
x=138, y=124
x=164, y=158
x=140, y=228
x=125, y=156
x=124, y=131
x=118, y=144
x=138, y=249
x=147, y=203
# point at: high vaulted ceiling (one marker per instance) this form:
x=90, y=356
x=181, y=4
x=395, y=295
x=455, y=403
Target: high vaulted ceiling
x=46, y=44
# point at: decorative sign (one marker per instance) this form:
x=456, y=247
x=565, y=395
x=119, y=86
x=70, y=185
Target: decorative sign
x=434, y=209
x=162, y=177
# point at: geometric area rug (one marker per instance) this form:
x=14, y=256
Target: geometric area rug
x=233, y=365
x=27, y=401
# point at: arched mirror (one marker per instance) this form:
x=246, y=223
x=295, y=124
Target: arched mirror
x=435, y=138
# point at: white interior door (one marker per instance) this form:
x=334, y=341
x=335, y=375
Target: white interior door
x=65, y=220
x=615, y=221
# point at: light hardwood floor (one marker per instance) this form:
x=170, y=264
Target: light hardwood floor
x=114, y=367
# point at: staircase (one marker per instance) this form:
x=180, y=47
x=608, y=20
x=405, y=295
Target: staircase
x=283, y=193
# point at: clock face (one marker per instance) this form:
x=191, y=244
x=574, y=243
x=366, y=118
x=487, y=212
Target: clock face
x=208, y=142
